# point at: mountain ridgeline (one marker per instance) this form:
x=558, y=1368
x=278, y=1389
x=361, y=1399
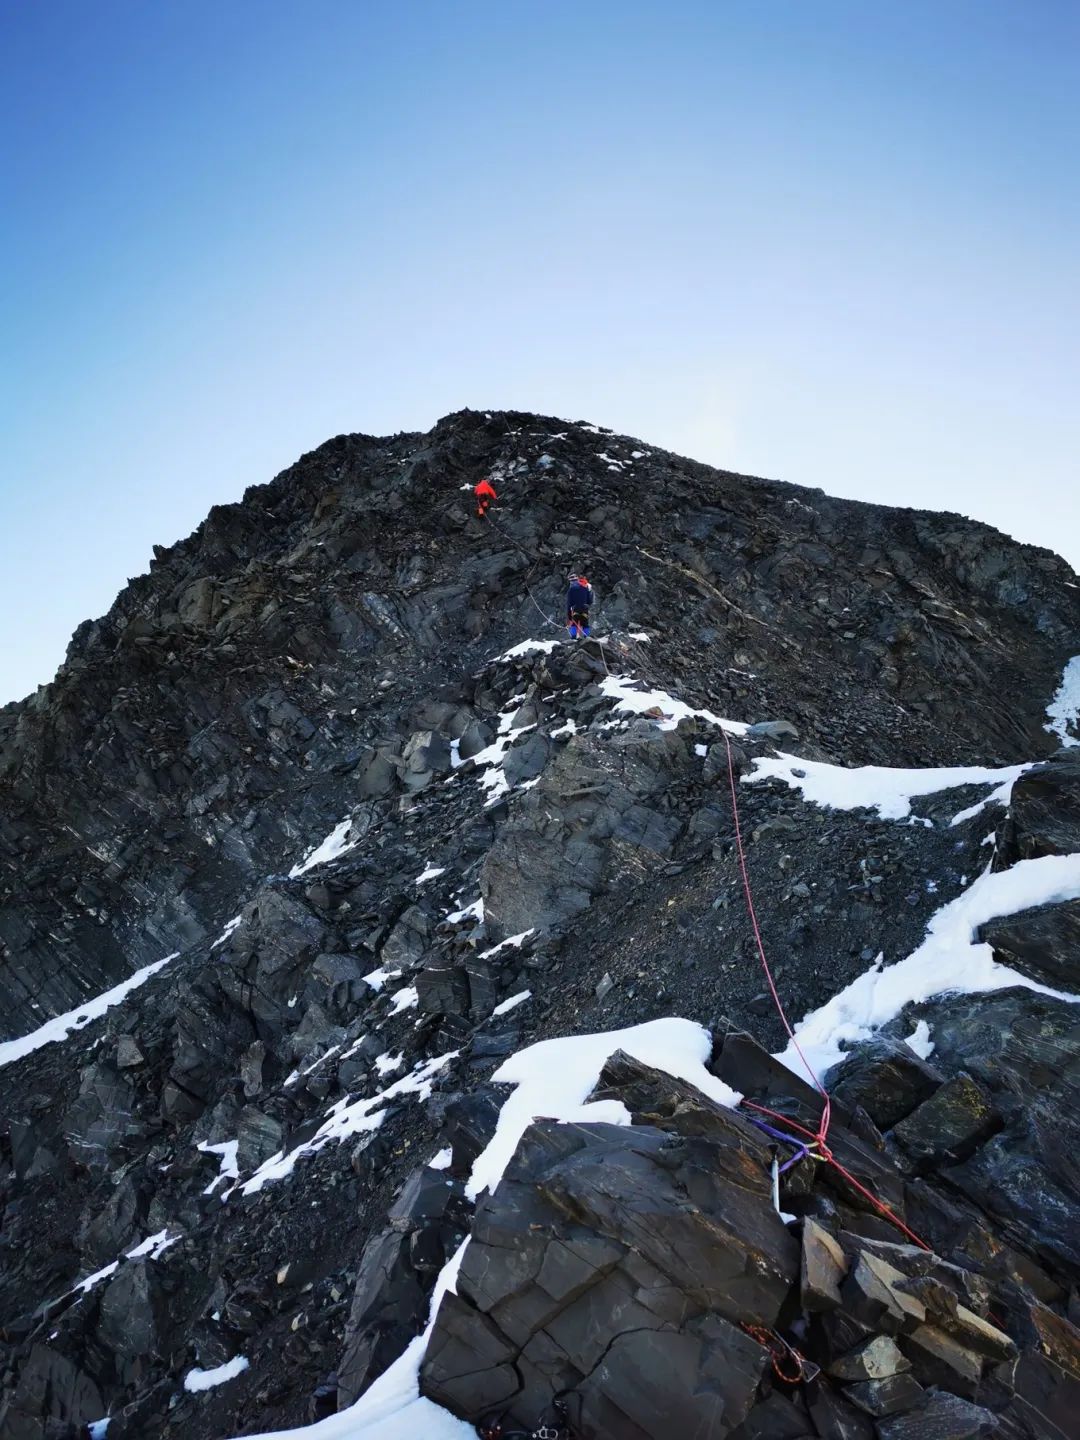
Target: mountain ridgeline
x=332, y=804
x=205, y=728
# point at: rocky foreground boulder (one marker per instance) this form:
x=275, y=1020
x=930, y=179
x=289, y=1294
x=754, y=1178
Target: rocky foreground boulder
x=343, y=828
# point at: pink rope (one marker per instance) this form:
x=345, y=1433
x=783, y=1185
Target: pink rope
x=823, y=1128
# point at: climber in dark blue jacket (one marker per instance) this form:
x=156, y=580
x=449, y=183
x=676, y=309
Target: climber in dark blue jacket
x=579, y=598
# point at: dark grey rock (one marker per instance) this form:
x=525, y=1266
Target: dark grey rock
x=477, y=736
x=943, y=1417
x=50, y=1388
x=893, y=1395
x=951, y=1123
x=772, y=730
x=259, y=1136
x=1044, y=811
x=886, y=1079
x=535, y=1315
x=1042, y=943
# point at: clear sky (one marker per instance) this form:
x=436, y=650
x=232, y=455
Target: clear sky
x=830, y=242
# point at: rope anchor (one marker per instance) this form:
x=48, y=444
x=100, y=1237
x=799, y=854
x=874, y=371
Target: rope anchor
x=815, y=1146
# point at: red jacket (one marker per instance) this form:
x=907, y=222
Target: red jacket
x=484, y=488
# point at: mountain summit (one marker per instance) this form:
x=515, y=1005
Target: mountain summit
x=350, y=912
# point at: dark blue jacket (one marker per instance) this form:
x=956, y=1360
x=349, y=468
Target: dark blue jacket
x=578, y=597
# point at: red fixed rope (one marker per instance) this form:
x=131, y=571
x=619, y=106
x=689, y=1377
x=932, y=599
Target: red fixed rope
x=820, y=1136
x=826, y=1114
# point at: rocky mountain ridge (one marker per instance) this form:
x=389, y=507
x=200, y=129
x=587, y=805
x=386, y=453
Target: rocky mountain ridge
x=528, y=841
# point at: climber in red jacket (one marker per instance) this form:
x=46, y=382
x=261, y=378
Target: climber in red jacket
x=484, y=496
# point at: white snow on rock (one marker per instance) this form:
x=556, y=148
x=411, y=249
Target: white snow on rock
x=949, y=960
x=554, y=1077
x=404, y=999
x=151, y=1249
x=230, y=1169
x=196, y=1380
x=999, y=796
x=513, y=1002
x=513, y=942
x=96, y=1278
x=230, y=926
x=296, y=1075
x=490, y=759
x=441, y=1159
x=638, y=635
x=879, y=787
x=527, y=647
x=392, y=1408
x=475, y=911
x=1064, y=709
x=334, y=845
x=387, y=1064
x=637, y=702
x=431, y=873
x=62, y=1026
x=345, y=1119
x=378, y=978
x=98, y=1429
x=154, y=1246
x=919, y=1040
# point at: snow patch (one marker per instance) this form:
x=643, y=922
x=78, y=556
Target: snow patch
x=475, y=911
x=431, y=873
x=404, y=999
x=378, y=978
x=948, y=960
x=196, y=1380
x=230, y=926
x=229, y=1168
x=514, y=942
x=295, y=1075
x=919, y=1041
x=513, y=1002
x=636, y=702
x=527, y=647
x=878, y=787
x=1064, y=709
x=1001, y=796
x=392, y=1408
x=345, y=1119
x=334, y=845
x=62, y=1026
x=554, y=1077
x=154, y=1246
x=97, y=1277
x=441, y=1159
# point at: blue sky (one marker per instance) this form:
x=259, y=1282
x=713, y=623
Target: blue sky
x=834, y=243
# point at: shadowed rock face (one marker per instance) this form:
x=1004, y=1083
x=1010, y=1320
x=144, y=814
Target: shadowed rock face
x=234, y=1160
x=199, y=732
x=617, y=1265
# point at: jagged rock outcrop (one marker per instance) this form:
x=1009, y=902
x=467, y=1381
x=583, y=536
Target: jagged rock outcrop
x=391, y=854
x=202, y=729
